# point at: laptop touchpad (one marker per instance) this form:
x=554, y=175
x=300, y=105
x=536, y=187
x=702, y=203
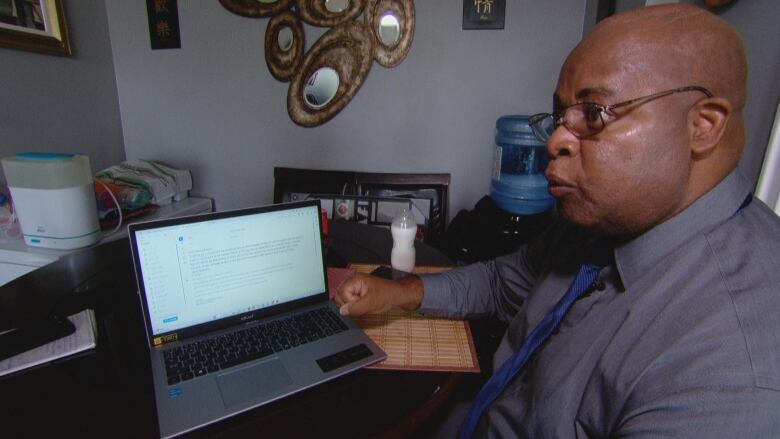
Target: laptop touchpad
x=253, y=382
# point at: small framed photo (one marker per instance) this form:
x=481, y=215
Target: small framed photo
x=34, y=25
x=483, y=14
x=344, y=209
x=363, y=211
x=387, y=209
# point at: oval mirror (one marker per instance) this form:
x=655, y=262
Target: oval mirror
x=389, y=30
x=285, y=38
x=336, y=6
x=256, y=8
x=321, y=87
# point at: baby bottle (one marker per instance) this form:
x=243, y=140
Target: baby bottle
x=403, y=229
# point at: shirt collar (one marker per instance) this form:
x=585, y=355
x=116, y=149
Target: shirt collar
x=637, y=256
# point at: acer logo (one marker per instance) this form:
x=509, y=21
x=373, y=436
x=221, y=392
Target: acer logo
x=247, y=317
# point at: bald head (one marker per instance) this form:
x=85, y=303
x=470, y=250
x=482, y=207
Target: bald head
x=679, y=44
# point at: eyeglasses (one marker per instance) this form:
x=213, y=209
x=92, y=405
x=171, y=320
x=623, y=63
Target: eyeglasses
x=585, y=119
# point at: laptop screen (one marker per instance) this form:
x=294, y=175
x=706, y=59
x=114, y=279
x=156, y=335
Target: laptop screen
x=202, y=271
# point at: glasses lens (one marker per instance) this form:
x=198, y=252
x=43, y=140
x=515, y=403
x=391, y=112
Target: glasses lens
x=592, y=116
x=584, y=119
x=542, y=126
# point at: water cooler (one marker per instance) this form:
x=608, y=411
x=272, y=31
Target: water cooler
x=518, y=185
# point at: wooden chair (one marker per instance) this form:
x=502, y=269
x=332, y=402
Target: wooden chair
x=289, y=183
x=433, y=188
x=429, y=193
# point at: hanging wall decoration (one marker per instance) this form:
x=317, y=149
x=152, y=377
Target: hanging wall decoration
x=483, y=14
x=325, y=78
x=37, y=26
x=163, y=17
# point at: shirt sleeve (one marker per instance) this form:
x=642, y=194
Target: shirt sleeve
x=495, y=288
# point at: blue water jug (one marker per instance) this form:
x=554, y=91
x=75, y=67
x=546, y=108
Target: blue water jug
x=518, y=184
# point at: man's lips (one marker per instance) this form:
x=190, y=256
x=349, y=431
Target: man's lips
x=559, y=187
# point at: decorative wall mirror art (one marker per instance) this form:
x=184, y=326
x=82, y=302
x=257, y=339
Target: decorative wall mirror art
x=324, y=78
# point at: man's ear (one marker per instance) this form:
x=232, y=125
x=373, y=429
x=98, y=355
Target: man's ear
x=707, y=122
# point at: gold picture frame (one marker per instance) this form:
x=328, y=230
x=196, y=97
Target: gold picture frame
x=34, y=25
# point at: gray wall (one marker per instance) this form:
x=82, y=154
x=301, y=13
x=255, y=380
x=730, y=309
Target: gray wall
x=213, y=107
x=64, y=104
x=756, y=21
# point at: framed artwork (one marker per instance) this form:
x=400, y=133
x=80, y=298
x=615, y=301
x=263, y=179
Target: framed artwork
x=362, y=209
x=34, y=25
x=163, y=17
x=483, y=14
x=345, y=209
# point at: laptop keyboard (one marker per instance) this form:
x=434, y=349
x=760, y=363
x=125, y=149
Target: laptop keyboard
x=206, y=356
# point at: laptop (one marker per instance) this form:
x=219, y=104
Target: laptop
x=236, y=311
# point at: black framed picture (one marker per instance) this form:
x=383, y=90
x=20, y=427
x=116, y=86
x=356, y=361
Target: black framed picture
x=163, y=16
x=483, y=14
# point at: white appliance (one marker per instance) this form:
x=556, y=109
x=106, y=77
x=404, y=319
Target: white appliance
x=17, y=258
x=54, y=198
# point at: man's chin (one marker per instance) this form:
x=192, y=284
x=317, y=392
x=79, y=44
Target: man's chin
x=580, y=217
x=573, y=213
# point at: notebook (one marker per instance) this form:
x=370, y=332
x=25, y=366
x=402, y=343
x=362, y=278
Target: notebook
x=236, y=311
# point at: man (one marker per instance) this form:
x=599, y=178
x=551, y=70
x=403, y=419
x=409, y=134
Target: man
x=678, y=334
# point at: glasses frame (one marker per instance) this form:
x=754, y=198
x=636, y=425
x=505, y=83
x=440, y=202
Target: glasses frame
x=559, y=117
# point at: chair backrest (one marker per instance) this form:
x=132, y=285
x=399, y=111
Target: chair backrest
x=290, y=183
x=429, y=193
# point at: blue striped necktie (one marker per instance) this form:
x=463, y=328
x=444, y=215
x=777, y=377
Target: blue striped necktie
x=585, y=279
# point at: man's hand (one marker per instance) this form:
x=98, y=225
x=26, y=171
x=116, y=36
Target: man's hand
x=364, y=294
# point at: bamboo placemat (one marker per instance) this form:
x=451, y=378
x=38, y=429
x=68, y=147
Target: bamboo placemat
x=416, y=342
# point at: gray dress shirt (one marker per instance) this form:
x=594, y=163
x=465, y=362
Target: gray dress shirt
x=683, y=340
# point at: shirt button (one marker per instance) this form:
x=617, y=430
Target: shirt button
x=601, y=286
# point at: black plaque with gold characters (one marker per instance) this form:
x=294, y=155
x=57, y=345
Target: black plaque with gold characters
x=483, y=14
x=163, y=24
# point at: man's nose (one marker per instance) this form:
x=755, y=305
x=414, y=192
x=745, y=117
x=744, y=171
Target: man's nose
x=562, y=143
